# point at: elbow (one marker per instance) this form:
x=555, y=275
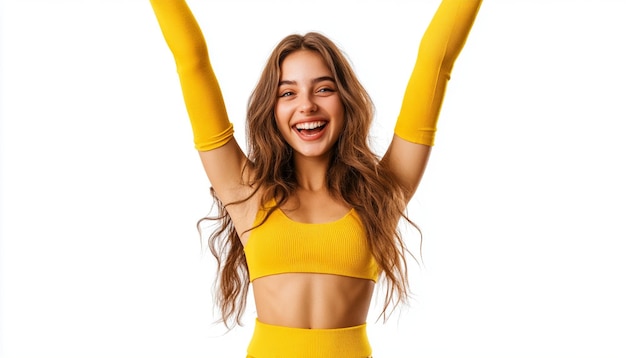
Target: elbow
x=192, y=59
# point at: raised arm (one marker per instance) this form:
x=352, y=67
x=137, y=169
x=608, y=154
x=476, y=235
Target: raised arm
x=222, y=158
x=415, y=129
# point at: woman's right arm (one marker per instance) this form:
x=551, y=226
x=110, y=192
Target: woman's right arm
x=222, y=157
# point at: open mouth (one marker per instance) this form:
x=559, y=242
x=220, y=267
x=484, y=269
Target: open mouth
x=310, y=128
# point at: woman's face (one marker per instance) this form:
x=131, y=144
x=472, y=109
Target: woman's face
x=309, y=112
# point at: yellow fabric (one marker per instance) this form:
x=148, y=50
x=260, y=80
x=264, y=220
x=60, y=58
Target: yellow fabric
x=285, y=342
x=201, y=91
x=281, y=245
x=440, y=46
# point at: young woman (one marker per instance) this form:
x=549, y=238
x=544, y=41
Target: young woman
x=309, y=216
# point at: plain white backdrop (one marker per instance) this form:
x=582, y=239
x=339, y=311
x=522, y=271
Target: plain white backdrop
x=522, y=206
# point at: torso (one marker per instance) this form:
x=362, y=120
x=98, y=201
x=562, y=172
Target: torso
x=310, y=300
x=306, y=300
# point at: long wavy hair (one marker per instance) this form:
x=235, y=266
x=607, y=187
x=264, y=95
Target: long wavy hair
x=355, y=175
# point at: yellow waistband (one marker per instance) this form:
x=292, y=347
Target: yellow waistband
x=278, y=341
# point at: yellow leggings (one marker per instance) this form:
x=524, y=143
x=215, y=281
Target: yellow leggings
x=278, y=342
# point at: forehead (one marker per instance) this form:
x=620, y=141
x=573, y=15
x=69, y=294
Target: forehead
x=302, y=65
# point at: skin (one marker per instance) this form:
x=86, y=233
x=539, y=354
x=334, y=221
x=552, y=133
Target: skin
x=307, y=94
x=308, y=97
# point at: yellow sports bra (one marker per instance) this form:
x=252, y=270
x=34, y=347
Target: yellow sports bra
x=282, y=245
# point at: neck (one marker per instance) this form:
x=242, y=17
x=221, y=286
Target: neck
x=311, y=172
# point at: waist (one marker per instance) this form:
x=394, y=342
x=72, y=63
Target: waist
x=305, y=300
x=279, y=341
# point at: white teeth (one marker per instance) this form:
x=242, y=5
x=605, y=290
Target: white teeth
x=310, y=125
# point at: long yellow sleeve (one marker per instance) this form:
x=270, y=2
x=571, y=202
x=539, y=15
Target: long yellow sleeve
x=440, y=46
x=201, y=90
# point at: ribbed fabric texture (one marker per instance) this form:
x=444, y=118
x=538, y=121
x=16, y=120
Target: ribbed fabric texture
x=440, y=46
x=201, y=90
x=281, y=245
x=285, y=342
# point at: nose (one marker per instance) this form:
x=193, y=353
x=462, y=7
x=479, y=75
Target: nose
x=307, y=105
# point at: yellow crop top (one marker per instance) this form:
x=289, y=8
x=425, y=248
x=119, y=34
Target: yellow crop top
x=282, y=245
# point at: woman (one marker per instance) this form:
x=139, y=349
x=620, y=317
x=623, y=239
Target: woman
x=310, y=215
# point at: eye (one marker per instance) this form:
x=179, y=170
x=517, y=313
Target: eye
x=326, y=90
x=286, y=94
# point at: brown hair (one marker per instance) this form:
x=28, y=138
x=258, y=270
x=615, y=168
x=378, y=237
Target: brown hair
x=354, y=175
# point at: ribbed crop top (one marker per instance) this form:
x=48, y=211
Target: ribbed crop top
x=282, y=245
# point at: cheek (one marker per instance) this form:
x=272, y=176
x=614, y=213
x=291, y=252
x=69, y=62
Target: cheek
x=281, y=118
x=280, y=114
x=340, y=112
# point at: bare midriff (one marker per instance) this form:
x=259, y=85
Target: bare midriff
x=312, y=300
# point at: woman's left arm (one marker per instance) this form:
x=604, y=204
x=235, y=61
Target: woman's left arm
x=440, y=46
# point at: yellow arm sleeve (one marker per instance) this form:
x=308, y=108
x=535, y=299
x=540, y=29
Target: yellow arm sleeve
x=440, y=46
x=201, y=91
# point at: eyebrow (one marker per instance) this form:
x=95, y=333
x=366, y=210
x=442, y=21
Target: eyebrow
x=316, y=80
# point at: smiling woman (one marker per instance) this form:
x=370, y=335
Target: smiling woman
x=309, y=217
x=309, y=112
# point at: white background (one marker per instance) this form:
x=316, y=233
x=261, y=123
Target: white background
x=523, y=206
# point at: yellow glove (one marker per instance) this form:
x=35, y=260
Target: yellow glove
x=440, y=46
x=201, y=91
